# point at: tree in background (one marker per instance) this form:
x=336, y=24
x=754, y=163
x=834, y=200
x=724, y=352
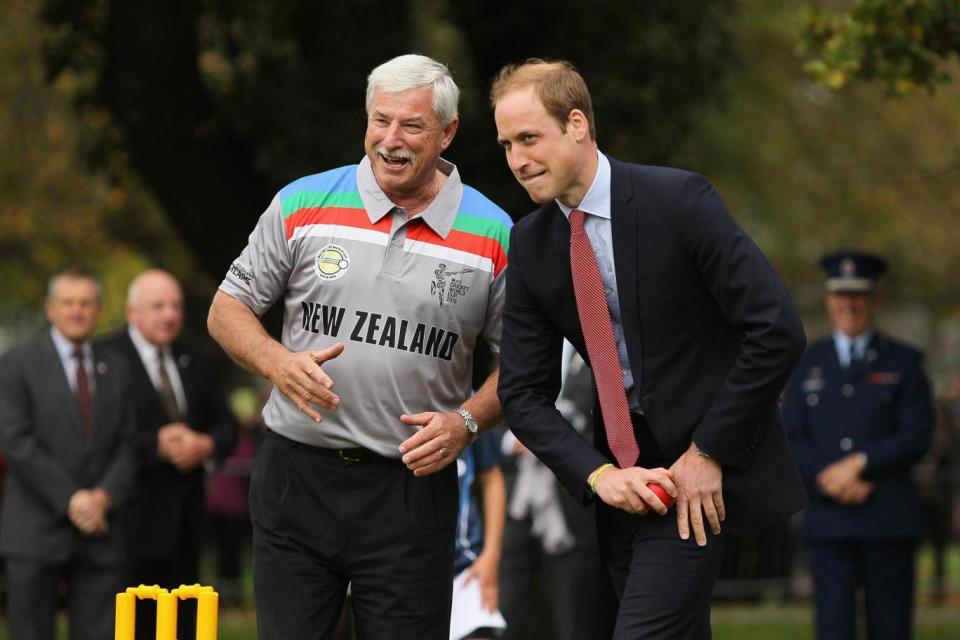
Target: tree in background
x=903, y=43
x=216, y=104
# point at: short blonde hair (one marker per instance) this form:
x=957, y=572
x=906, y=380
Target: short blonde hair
x=557, y=84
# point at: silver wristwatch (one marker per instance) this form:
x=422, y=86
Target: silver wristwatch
x=472, y=426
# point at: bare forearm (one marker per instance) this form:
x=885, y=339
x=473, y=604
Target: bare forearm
x=494, y=510
x=239, y=331
x=484, y=404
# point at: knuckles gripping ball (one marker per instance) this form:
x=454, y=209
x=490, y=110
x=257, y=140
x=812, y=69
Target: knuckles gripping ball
x=661, y=493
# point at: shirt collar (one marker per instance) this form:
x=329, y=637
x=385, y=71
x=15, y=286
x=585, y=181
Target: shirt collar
x=65, y=347
x=146, y=349
x=439, y=215
x=860, y=342
x=597, y=199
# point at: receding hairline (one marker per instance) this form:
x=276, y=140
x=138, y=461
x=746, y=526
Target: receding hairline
x=137, y=285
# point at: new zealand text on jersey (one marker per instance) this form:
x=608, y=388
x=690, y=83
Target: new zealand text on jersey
x=380, y=329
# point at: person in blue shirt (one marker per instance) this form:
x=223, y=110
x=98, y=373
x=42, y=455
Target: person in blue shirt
x=859, y=416
x=480, y=521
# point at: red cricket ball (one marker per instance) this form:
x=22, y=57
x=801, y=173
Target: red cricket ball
x=661, y=493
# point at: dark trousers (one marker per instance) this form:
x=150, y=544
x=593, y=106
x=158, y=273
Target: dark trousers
x=320, y=522
x=33, y=593
x=663, y=583
x=885, y=571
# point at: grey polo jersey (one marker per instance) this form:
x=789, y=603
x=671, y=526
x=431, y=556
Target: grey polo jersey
x=408, y=298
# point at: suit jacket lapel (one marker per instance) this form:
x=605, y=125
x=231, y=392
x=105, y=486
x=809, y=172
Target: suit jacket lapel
x=624, y=218
x=186, y=372
x=102, y=396
x=139, y=372
x=52, y=371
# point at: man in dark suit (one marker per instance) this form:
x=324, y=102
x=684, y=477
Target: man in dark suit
x=688, y=331
x=67, y=422
x=183, y=421
x=859, y=414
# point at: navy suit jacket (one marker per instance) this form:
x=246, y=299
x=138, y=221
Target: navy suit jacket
x=881, y=406
x=709, y=327
x=49, y=457
x=164, y=497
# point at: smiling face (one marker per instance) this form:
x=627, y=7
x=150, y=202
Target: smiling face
x=851, y=313
x=404, y=141
x=550, y=159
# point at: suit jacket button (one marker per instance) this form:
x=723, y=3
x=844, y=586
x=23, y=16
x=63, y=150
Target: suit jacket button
x=847, y=390
x=846, y=444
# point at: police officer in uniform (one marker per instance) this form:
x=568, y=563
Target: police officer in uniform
x=859, y=416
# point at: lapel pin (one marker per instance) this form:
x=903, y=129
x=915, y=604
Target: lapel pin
x=102, y=368
x=183, y=360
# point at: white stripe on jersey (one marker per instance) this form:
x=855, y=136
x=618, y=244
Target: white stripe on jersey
x=446, y=253
x=344, y=232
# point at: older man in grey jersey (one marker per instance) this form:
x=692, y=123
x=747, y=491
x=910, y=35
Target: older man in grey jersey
x=390, y=271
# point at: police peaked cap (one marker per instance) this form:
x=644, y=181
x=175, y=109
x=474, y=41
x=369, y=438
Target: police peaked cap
x=852, y=271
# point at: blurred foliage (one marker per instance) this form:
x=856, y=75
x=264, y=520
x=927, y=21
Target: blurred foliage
x=218, y=104
x=807, y=170
x=56, y=210
x=155, y=132
x=903, y=43
x=56, y=207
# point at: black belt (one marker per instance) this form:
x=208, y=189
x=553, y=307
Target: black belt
x=354, y=454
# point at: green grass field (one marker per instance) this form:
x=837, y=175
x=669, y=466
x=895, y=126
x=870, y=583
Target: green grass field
x=771, y=620
x=730, y=622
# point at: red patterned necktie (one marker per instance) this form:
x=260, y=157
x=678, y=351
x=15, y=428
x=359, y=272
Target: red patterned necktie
x=82, y=393
x=601, y=344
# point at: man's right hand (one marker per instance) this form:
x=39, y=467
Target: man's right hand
x=627, y=489
x=300, y=377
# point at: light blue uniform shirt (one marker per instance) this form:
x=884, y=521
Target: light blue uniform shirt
x=842, y=342
x=596, y=206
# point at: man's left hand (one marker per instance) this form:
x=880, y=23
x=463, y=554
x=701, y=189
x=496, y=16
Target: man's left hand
x=699, y=481
x=440, y=439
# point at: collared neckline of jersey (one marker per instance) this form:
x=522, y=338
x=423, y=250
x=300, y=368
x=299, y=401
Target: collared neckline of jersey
x=439, y=215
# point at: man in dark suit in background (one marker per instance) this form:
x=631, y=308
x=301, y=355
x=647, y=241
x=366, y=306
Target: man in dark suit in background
x=183, y=421
x=859, y=414
x=688, y=331
x=67, y=422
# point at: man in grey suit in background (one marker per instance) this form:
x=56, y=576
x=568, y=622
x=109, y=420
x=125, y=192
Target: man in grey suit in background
x=66, y=417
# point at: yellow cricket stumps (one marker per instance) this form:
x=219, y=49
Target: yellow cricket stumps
x=207, y=604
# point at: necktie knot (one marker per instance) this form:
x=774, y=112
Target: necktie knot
x=577, y=218
x=78, y=354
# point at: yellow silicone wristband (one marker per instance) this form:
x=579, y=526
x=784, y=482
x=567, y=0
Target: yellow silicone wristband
x=592, y=480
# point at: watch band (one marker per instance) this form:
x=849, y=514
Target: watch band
x=473, y=427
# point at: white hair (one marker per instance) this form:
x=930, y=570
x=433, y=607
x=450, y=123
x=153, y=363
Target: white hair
x=413, y=71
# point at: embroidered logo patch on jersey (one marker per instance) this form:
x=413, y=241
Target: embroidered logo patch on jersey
x=331, y=262
x=448, y=286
